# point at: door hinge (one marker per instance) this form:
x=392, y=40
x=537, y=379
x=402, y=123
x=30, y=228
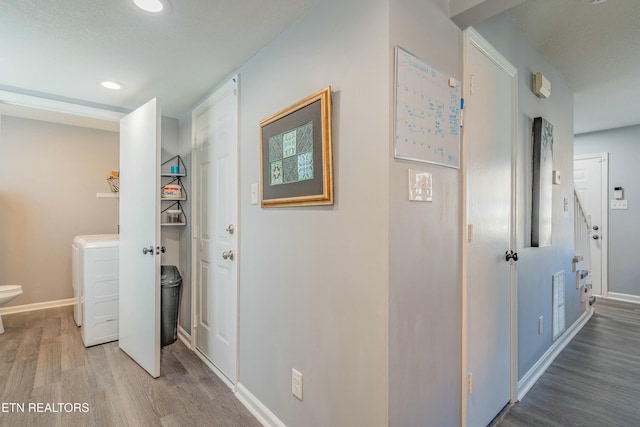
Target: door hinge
x=469, y=383
x=469, y=232
x=471, y=85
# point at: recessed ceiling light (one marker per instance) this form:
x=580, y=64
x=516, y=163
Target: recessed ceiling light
x=597, y=1
x=154, y=6
x=112, y=85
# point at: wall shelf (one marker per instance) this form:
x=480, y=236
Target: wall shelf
x=173, y=178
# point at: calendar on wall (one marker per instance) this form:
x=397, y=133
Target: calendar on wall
x=427, y=113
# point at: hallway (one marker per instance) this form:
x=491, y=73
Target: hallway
x=594, y=382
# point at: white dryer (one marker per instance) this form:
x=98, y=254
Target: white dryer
x=95, y=268
x=77, y=269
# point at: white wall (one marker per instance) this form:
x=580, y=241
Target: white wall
x=624, y=233
x=314, y=280
x=424, y=257
x=49, y=177
x=537, y=265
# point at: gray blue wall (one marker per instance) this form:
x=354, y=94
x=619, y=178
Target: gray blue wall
x=363, y=297
x=537, y=265
x=314, y=280
x=355, y=299
x=176, y=140
x=623, y=147
x=424, y=257
x=183, y=147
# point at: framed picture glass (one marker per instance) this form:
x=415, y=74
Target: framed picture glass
x=296, y=155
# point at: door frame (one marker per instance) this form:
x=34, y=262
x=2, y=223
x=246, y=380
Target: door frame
x=232, y=83
x=604, y=262
x=472, y=37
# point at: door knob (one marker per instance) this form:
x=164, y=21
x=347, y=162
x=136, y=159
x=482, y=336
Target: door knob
x=596, y=228
x=230, y=229
x=511, y=255
x=596, y=237
x=227, y=255
x=148, y=250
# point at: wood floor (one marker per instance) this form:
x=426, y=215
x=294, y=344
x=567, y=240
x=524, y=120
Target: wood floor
x=595, y=381
x=43, y=364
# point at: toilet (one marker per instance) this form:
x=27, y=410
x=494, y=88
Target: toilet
x=7, y=293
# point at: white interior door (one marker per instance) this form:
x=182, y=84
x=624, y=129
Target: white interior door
x=216, y=237
x=139, y=305
x=489, y=123
x=590, y=177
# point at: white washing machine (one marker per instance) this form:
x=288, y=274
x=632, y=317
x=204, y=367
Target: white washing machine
x=96, y=281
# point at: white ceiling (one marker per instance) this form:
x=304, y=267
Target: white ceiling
x=62, y=49
x=596, y=48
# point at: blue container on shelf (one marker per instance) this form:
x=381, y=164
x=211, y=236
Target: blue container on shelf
x=175, y=169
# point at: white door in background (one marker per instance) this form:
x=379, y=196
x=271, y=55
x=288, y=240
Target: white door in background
x=139, y=288
x=489, y=131
x=590, y=174
x=216, y=235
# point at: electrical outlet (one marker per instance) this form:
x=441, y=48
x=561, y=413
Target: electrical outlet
x=296, y=384
x=540, y=325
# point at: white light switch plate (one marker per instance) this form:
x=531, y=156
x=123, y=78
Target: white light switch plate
x=420, y=186
x=618, y=204
x=296, y=383
x=254, y=194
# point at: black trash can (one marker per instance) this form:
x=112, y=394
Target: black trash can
x=171, y=286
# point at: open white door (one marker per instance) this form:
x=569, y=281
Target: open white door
x=139, y=304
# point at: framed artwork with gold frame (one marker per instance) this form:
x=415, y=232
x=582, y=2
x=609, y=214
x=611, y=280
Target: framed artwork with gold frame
x=296, y=154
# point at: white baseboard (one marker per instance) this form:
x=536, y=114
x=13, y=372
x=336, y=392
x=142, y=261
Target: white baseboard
x=37, y=306
x=257, y=408
x=623, y=297
x=215, y=370
x=536, y=371
x=185, y=337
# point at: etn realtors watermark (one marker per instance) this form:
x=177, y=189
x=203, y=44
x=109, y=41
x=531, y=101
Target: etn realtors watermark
x=40, y=407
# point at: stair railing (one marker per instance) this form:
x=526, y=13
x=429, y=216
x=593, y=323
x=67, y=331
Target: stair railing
x=582, y=244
